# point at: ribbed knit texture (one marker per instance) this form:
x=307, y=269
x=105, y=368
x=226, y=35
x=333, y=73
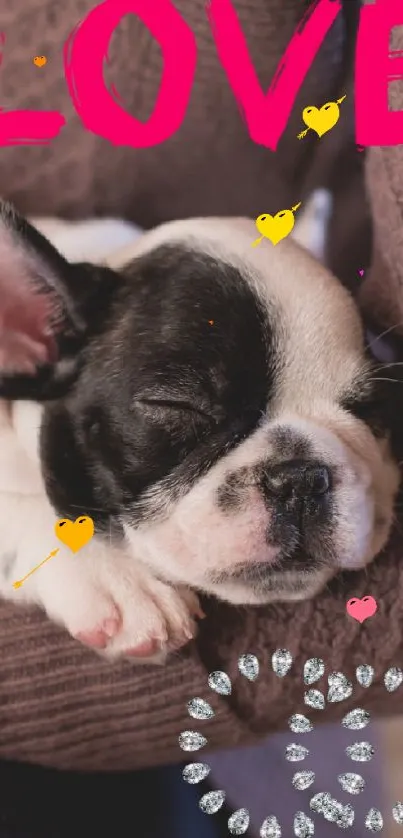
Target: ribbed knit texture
x=60, y=704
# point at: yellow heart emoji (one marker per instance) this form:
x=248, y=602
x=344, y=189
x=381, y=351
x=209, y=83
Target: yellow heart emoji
x=40, y=60
x=321, y=119
x=275, y=228
x=75, y=534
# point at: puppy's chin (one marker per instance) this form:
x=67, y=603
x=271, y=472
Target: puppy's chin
x=284, y=586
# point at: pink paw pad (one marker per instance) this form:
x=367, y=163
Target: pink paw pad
x=145, y=650
x=100, y=636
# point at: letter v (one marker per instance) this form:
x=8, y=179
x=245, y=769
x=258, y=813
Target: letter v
x=266, y=115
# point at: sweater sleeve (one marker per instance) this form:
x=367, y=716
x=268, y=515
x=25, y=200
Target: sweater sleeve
x=382, y=291
x=61, y=705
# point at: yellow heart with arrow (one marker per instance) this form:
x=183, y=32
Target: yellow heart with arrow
x=321, y=120
x=275, y=227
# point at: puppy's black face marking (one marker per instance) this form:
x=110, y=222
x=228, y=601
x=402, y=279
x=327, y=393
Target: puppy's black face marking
x=176, y=392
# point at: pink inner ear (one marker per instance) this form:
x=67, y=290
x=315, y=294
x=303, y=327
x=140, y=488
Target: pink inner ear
x=26, y=341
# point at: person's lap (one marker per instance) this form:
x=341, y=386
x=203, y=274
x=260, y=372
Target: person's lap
x=43, y=803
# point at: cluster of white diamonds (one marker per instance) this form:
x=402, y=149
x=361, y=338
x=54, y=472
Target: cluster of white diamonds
x=322, y=804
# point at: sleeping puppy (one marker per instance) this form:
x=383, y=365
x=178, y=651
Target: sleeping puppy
x=213, y=408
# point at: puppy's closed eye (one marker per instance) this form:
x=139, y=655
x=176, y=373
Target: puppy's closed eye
x=207, y=418
x=177, y=406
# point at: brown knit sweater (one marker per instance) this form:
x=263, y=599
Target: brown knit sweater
x=60, y=704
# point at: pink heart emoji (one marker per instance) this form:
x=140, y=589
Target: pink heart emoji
x=361, y=609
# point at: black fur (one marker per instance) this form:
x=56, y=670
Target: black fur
x=377, y=397
x=165, y=393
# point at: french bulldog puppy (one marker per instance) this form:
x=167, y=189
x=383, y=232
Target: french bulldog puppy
x=212, y=406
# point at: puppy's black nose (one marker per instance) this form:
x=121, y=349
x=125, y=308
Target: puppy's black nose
x=296, y=479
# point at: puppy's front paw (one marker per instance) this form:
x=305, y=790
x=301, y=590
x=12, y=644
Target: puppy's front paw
x=119, y=608
x=157, y=620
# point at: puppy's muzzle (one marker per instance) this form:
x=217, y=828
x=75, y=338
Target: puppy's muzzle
x=299, y=496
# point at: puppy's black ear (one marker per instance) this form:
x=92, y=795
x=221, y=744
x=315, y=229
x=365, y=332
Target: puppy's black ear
x=44, y=303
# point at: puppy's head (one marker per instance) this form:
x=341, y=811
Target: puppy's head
x=212, y=400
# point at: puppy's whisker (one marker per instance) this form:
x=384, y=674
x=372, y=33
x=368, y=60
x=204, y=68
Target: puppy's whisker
x=386, y=332
x=392, y=380
x=16, y=494
x=392, y=364
x=89, y=508
x=381, y=367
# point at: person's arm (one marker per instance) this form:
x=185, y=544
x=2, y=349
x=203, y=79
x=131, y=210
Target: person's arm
x=61, y=705
x=382, y=291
